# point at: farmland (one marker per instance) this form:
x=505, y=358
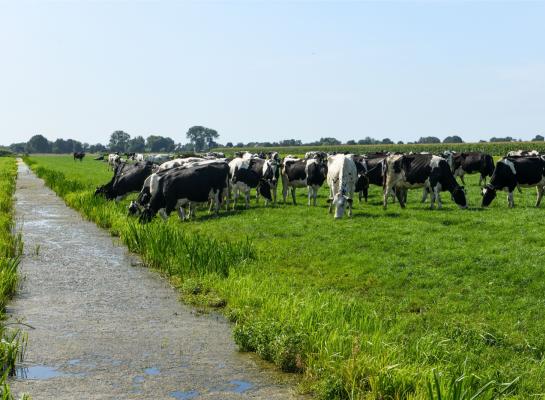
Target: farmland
x=387, y=304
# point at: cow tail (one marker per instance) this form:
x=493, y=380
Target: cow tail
x=384, y=173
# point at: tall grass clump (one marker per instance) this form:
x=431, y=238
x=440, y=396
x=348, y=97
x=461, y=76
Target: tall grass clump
x=13, y=341
x=396, y=304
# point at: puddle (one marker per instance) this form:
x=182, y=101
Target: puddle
x=152, y=371
x=40, y=372
x=240, y=386
x=184, y=395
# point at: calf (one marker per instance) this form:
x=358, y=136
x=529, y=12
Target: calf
x=472, y=162
x=342, y=175
x=512, y=172
x=310, y=172
x=420, y=170
x=127, y=178
x=182, y=186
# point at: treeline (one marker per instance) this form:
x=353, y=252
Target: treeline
x=331, y=141
x=200, y=139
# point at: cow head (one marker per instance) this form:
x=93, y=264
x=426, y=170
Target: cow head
x=133, y=208
x=271, y=171
x=340, y=201
x=459, y=196
x=489, y=194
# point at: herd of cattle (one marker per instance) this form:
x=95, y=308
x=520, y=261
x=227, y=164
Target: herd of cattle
x=165, y=184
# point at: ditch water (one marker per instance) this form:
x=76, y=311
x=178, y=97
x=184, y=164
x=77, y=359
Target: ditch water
x=107, y=328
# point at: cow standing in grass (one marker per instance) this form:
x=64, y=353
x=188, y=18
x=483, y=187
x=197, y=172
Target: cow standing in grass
x=512, y=172
x=470, y=163
x=427, y=171
x=127, y=178
x=310, y=172
x=78, y=155
x=184, y=186
x=250, y=172
x=342, y=175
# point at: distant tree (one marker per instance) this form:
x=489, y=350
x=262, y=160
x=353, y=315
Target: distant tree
x=74, y=145
x=500, y=139
x=290, y=142
x=429, y=139
x=229, y=144
x=453, y=139
x=119, y=141
x=538, y=138
x=18, y=147
x=137, y=145
x=350, y=142
x=38, y=144
x=201, y=137
x=387, y=141
x=240, y=144
x=400, y=142
x=482, y=141
x=97, y=148
x=328, y=141
x=61, y=146
x=85, y=147
x=368, y=140
x=159, y=144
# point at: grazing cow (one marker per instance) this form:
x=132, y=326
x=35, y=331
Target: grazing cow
x=511, y=172
x=523, y=153
x=78, y=155
x=182, y=186
x=309, y=172
x=370, y=171
x=144, y=196
x=214, y=154
x=247, y=173
x=342, y=175
x=159, y=158
x=127, y=178
x=421, y=170
x=178, y=162
x=139, y=157
x=317, y=155
x=471, y=162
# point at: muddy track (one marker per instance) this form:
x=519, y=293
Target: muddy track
x=108, y=328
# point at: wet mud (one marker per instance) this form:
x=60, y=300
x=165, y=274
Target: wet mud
x=107, y=328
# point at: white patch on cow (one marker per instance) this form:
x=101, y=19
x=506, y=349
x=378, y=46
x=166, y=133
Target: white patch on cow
x=509, y=164
x=435, y=160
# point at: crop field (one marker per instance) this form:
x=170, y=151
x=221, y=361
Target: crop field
x=13, y=340
x=395, y=304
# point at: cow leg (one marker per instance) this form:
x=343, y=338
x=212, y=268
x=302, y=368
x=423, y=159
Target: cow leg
x=539, y=194
x=163, y=214
x=349, y=201
x=274, y=195
x=424, y=194
x=284, y=191
x=293, y=196
x=235, y=197
x=310, y=195
x=217, y=200
x=181, y=213
x=314, y=195
x=462, y=179
x=400, y=194
x=519, y=189
x=247, y=199
x=510, y=200
x=438, y=197
x=257, y=195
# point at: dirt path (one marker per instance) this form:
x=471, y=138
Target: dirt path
x=107, y=328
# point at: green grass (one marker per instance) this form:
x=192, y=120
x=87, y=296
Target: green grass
x=13, y=341
x=443, y=304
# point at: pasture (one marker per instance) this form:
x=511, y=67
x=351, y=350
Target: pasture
x=389, y=304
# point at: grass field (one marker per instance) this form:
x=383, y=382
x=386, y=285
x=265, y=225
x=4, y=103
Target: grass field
x=389, y=304
x=13, y=340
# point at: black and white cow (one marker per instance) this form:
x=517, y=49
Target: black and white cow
x=420, y=170
x=127, y=178
x=187, y=185
x=512, y=172
x=523, y=153
x=113, y=160
x=342, y=175
x=249, y=172
x=310, y=172
x=470, y=163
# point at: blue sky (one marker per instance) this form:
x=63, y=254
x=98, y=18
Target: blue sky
x=265, y=71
